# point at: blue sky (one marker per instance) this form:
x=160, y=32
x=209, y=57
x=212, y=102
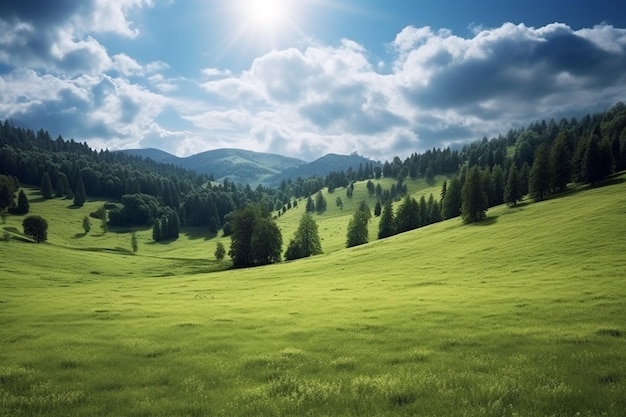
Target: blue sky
x=305, y=77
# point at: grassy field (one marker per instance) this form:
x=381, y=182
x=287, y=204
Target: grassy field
x=521, y=315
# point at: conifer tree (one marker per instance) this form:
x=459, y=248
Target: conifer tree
x=386, y=227
x=560, y=163
x=46, y=186
x=357, y=229
x=408, y=215
x=452, y=201
x=377, y=208
x=86, y=224
x=474, y=206
x=310, y=205
x=540, y=177
x=513, y=188
x=320, y=202
x=220, y=252
x=80, y=196
x=156, y=231
x=133, y=242
x=306, y=241
x=23, y=206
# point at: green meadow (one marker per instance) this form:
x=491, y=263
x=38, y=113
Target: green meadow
x=519, y=315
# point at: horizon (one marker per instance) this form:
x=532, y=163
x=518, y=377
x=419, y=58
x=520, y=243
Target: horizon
x=308, y=78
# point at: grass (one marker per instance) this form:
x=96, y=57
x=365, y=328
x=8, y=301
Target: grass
x=521, y=315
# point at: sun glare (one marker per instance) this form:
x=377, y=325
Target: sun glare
x=266, y=18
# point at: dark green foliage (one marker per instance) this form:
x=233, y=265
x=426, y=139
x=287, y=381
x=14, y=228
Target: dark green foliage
x=62, y=185
x=80, y=196
x=7, y=192
x=310, y=205
x=408, y=215
x=133, y=242
x=377, y=208
x=213, y=225
x=357, y=229
x=560, y=163
x=597, y=161
x=256, y=240
x=474, y=205
x=36, y=227
x=386, y=227
x=339, y=203
x=513, y=188
x=498, y=182
x=524, y=176
x=137, y=210
x=220, y=252
x=46, y=186
x=227, y=230
x=157, y=236
x=306, y=241
x=540, y=177
x=86, y=224
x=23, y=206
x=320, y=202
x=452, y=201
x=434, y=212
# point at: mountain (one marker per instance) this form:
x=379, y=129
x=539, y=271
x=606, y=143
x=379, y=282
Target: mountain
x=238, y=165
x=249, y=167
x=322, y=167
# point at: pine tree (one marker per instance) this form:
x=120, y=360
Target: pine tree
x=540, y=177
x=133, y=242
x=220, y=252
x=46, y=186
x=357, y=229
x=80, y=196
x=157, y=236
x=497, y=185
x=560, y=163
x=377, y=208
x=23, y=206
x=310, y=205
x=474, y=205
x=408, y=215
x=513, y=188
x=86, y=224
x=320, y=202
x=306, y=241
x=386, y=227
x=524, y=176
x=452, y=201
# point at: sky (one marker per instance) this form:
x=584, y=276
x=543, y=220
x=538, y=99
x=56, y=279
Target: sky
x=304, y=78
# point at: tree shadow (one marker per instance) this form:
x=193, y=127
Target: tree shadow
x=80, y=235
x=488, y=221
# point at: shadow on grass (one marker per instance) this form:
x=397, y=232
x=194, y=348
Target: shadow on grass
x=486, y=222
x=80, y=235
x=197, y=232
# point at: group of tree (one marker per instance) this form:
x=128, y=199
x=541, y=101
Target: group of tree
x=8, y=187
x=167, y=227
x=358, y=232
x=255, y=239
x=411, y=214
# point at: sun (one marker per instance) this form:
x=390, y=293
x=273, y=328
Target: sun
x=265, y=16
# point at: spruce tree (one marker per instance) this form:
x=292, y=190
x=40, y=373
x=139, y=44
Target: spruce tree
x=386, y=227
x=408, y=215
x=320, y=202
x=357, y=229
x=310, y=205
x=157, y=236
x=560, y=163
x=220, y=252
x=498, y=182
x=474, y=205
x=86, y=224
x=80, y=196
x=133, y=242
x=306, y=241
x=377, y=208
x=540, y=176
x=513, y=188
x=46, y=186
x=23, y=206
x=452, y=201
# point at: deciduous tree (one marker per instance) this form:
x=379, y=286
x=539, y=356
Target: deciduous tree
x=36, y=227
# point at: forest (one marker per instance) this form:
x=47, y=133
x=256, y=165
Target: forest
x=538, y=160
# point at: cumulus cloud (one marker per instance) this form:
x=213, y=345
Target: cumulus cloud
x=436, y=88
x=442, y=88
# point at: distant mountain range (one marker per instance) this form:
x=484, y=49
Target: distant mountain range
x=249, y=167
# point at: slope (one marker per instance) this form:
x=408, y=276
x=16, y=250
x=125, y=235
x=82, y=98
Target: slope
x=518, y=315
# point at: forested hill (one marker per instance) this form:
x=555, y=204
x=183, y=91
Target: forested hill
x=584, y=150
x=238, y=165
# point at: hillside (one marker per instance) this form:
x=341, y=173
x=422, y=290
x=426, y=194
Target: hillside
x=238, y=165
x=518, y=315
